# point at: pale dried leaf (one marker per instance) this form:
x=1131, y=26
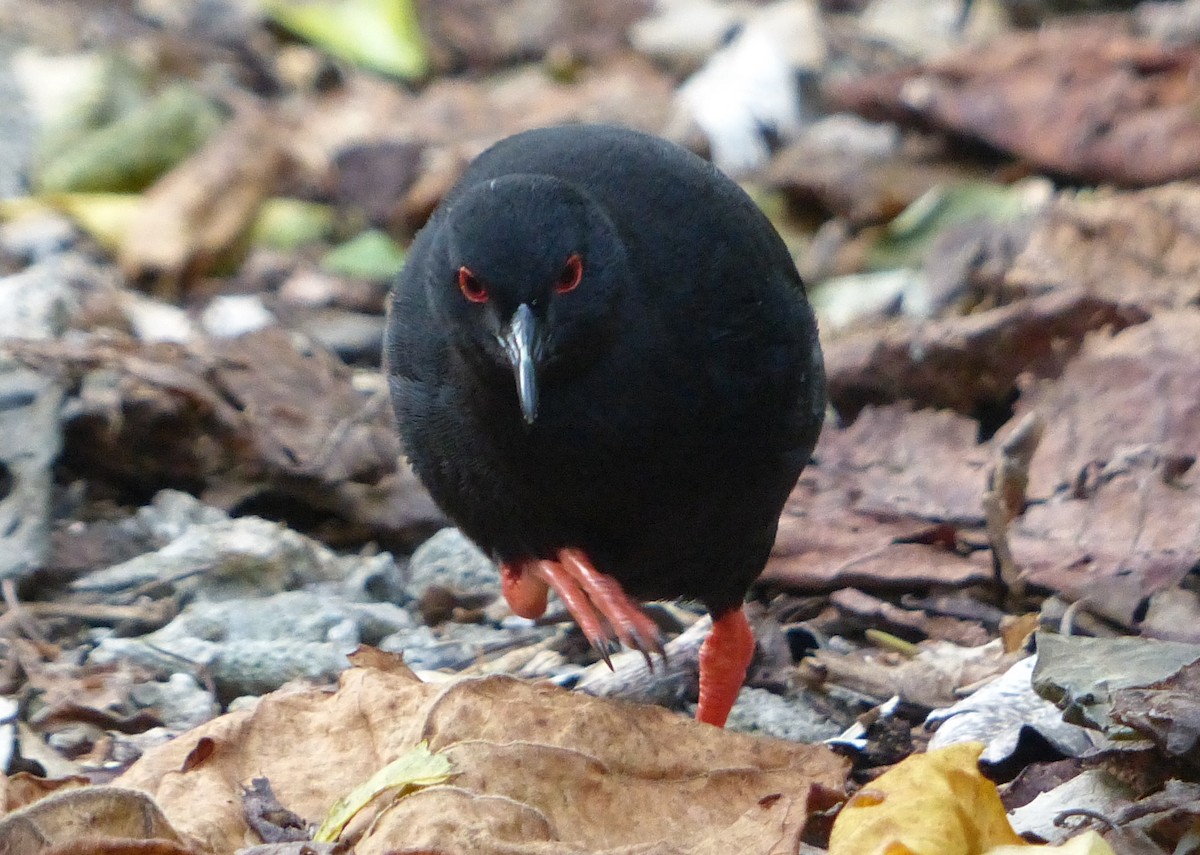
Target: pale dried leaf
x=533, y=762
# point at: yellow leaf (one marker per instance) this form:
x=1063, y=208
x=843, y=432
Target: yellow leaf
x=281, y=223
x=384, y=35
x=416, y=768
x=930, y=804
x=105, y=216
x=1088, y=843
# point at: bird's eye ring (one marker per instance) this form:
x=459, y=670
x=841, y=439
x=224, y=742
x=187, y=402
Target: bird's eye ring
x=569, y=277
x=471, y=287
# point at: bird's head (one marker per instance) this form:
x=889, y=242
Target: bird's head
x=531, y=280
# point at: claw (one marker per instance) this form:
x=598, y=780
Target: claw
x=602, y=650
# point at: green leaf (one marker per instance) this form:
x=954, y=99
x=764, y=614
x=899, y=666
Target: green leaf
x=907, y=237
x=416, y=768
x=130, y=153
x=382, y=35
x=370, y=255
x=291, y=223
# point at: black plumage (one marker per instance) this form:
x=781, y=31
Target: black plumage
x=676, y=376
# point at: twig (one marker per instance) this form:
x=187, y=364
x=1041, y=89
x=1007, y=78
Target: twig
x=631, y=679
x=157, y=613
x=1005, y=499
x=18, y=614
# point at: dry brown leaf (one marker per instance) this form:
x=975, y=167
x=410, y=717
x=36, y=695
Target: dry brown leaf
x=1129, y=536
x=482, y=35
x=1078, y=100
x=532, y=762
x=171, y=421
x=1167, y=711
x=1119, y=516
x=1134, y=248
x=861, y=510
x=456, y=118
x=965, y=363
x=863, y=189
x=910, y=624
x=1146, y=382
x=21, y=789
x=192, y=217
x=934, y=677
x=90, y=821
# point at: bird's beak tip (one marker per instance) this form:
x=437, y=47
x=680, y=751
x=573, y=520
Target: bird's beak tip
x=520, y=344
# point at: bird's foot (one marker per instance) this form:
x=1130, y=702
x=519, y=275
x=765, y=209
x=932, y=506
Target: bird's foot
x=604, y=612
x=724, y=658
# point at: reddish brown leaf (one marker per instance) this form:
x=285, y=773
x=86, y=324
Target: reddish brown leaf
x=965, y=363
x=1083, y=101
x=860, y=511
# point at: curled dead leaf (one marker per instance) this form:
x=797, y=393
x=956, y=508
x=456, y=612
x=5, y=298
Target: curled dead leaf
x=88, y=821
x=533, y=762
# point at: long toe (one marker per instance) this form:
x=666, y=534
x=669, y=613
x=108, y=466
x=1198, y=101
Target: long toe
x=624, y=614
x=592, y=621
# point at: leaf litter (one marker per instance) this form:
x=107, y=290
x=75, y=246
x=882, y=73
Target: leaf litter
x=920, y=550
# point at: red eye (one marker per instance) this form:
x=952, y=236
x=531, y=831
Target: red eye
x=471, y=287
x=568, y=279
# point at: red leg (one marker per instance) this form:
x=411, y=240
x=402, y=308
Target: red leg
x=724, y=658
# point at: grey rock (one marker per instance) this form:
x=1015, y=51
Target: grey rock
x=1171, y=23
x=682, y=34
x=760, y=711
x=180, y=702
x=30, y=405
x=9, y=710
x=849, y=134
x=221, y=21
x=16, y=128
x=353, y=336
x=924, y=28
x=234, y=315
x=154, y=321
x=376, y=581
x=38, y=237
x=450, y=560
x=38, y=302
x=454, y=646
x=288, y=616
x=231, y=558
x=251, y=646
x=172, y=512
x=75, y=738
